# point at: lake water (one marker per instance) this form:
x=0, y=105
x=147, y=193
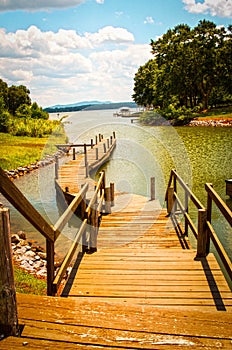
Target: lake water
x=199, y=154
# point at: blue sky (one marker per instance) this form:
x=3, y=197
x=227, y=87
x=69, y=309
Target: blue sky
x=67, y=51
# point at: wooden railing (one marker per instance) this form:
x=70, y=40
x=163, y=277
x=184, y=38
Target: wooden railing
x=89, y=215
x=204, y=231
x=90, y=221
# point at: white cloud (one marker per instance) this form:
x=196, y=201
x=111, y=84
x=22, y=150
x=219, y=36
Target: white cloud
x=149, y=20
x=11, y=5
x=100, y=1
x=64, y=67
x=221, y=8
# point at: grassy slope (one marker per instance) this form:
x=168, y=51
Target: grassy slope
x=26, y=283
x=23, y=150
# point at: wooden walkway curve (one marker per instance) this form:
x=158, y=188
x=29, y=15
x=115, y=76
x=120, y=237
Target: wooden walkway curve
x=142, y=289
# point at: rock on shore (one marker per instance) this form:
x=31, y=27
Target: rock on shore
x=49, y=159
x=211, y=122
x=29, y=256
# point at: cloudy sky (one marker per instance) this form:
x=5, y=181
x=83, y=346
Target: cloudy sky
x=67, y=51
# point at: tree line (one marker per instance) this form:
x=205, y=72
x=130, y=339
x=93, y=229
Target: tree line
x=18, y=115
x=191, y=69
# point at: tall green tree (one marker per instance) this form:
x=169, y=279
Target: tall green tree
x=191, y=65
x=17, y=95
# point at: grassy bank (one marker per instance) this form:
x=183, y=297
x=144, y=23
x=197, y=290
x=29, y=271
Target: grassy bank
x=28, y=284
x=19, y=151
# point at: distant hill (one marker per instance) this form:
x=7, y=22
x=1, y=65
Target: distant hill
x=89, y=105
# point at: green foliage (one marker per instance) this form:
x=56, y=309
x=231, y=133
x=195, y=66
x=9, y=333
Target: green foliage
x=28, y=284
x=191, y=66
x=23, y=150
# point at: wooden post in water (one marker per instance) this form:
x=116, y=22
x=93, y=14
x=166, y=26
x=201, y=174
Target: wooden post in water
x=96, y=153
x=96, y=139
x=170, y=199
x=107, y=200
x=104, y=147
x=114, y=135
x=152, y=188
x=202, y=234
x=8, y=304
x=108, y=143
x=56, y=167
x=112, y=193
x=74, y=153
x=111, y=140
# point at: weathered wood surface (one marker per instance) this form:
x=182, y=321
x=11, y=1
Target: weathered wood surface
x=72, y=175
x=74, y=323
x=143, y=259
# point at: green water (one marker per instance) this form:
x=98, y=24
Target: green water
x=199, y=154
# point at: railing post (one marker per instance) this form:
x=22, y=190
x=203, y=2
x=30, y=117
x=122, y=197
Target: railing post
x=108, y=143
x=175, y=191
x=111, y=140
x=8, y=303
x=99, y=137
x=112, y=193
x=114, y=135
x=202, y=234
x=209, y=215
x=91, y=143
x=104, y=147
x=74, y=153
x=96, y=139
x=107, y=200
x=93, y=228
x=85, y=152
x=152, y=188
x=56, y=167
x=170, y=199
x=186, y=210
x=96, y=153
x=50, y=252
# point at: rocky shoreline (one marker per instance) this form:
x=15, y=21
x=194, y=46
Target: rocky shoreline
x=30, y=257
x=49, y=159
x=211, y=122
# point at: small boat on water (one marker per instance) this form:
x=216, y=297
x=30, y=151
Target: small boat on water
x=123, y=112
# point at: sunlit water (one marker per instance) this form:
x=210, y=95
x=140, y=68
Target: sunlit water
x=198, y=154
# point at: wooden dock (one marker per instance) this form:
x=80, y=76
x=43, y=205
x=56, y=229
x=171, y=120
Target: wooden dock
x=142, y=289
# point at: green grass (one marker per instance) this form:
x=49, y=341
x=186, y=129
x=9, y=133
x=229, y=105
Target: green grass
x=217, y=113
x=28, y=284
x=24, y=150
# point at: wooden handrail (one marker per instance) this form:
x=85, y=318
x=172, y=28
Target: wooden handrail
x=64, y=218
x=21, y=203
x=58, y=279
x=224, y=209
x=204, y=232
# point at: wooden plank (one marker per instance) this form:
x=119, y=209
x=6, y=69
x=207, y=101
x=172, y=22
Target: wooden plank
x=58, y=323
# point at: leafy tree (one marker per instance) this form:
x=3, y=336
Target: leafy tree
x=23, y=111
x=4, y=117
x=17, y=95
x=4, y=92
x=37, y=112
x=189, y=67
x=145, y=88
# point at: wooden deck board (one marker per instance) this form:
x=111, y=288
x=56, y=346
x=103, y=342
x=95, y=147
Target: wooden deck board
x=81, y=323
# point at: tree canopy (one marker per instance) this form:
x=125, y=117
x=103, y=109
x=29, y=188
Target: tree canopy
x=191, y=67
x=15, y=103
